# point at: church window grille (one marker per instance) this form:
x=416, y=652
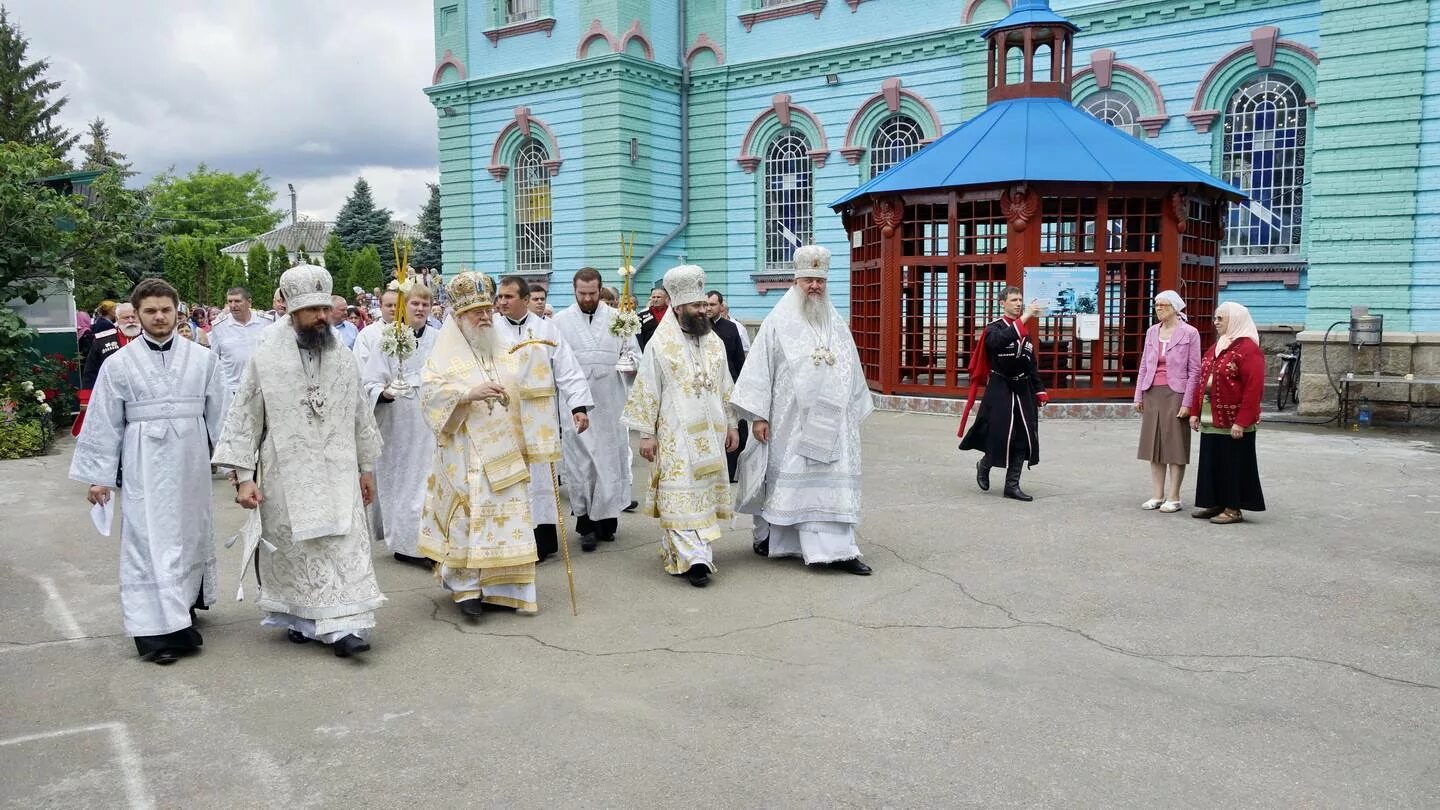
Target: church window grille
x=898, y=137
x=789, y=199
x=521, y=10
x=1263, y=154
x=1115, y=108
x=533, y=238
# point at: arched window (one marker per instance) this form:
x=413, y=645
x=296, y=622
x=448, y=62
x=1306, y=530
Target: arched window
x=1263, y=154
x=1115, y=108
x=531, y=194
x=521, y=10
x=898, y=137
x=789, y=198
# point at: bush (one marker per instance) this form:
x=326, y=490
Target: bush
x=25, y=426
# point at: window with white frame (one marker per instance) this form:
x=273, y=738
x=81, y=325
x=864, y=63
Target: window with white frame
x=773, y=3
x=898, y=137
x=521, y=10
x=1263, y=154
x=1115, y=108
x=531, y=195
x=789, y=198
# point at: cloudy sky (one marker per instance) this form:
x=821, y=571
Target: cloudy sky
x=311, y=92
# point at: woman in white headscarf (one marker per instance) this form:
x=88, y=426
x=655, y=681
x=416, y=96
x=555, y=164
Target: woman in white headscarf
x=1225, y=409
x=1169, y=375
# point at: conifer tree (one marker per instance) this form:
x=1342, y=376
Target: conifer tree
x=365, y=269
x=360, y=223
x=428, y=253
x=99, y=155
x=337, y=261
x=27, y=113
x=259, y=280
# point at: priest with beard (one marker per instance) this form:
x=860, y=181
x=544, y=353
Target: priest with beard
x=393, y=387
x=679, y=406
x=476, y=522
x=155, y=409
x=805, y=393
x=596, y=462
x=301, y=435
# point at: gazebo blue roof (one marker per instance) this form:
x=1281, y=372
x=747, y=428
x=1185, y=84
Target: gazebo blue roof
x=1035, y=139
x=1030, y=12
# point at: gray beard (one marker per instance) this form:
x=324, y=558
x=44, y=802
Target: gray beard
x=317, y=338
x=131, y=331
x=482, y=339
x=816, y=310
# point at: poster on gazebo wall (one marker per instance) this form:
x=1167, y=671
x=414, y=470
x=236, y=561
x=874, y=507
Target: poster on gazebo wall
x=1069, y=292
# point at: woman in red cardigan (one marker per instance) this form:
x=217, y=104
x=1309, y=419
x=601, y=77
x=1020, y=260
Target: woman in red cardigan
x=1227, y=401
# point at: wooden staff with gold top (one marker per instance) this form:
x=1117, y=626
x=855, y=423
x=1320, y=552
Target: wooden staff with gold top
x=555, y=485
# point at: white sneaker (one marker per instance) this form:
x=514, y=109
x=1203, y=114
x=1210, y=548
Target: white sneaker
x=1171, y=506
x=1153, y=503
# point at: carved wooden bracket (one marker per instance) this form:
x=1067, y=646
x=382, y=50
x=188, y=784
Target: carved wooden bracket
x=1020, y=205
x=1179, y=209
x=889, y=212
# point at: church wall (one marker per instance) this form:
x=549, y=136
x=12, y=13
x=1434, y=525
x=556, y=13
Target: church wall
x=1425, y=276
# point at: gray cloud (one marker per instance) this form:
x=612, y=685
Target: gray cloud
x=312, y=92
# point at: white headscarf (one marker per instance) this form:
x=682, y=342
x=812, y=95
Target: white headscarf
x=1174, y=300
x=1238, y=324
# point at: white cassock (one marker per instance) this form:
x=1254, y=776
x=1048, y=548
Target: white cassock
x=803, y=487
x=409, y=443
x=366, y=344
x=313, y=543
x=597, y=461
x=151, y=420
x=573, y=393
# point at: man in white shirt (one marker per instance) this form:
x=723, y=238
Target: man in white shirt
x=344, y=329
x=234, y=339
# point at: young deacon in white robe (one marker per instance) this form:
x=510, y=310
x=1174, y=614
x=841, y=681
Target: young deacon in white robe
x=491, y=422
x=679, y=405
x=156, y=406
x=516, y=323
x=393, y=387
x=804, y=390
x=301, y=434
x=597, y=462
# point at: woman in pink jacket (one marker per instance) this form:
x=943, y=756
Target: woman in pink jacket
x=1169, y=373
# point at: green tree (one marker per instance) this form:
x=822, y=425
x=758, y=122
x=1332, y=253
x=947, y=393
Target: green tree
x=182, y=267
x=227, y=272
x=337, y=261
x=27, y=114
x=279, y=262
x=360, y=223
x=366, y=271
x=207, y=203
x=130, y=252
x=99, y=155
x=427, y=252
x=260, y=280
x=303, y=257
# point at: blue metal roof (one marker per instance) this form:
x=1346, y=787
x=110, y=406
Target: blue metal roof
x=1035, y=139
x=1030, y=12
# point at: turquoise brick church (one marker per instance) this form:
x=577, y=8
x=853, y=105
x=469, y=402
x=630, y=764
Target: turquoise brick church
x=719, y=131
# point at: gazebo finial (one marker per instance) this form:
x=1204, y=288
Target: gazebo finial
x=1030, y=53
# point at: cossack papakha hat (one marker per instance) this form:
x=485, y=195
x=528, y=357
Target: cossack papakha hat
x=304, y=286
x=470, y=290
x=685, y=284
x=812, y=261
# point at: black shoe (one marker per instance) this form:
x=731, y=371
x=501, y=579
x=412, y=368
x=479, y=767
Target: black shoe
x=418, y=562
x=472, y=607
x=297, y=637
x=165, y=657
x=699, y=575
x=762, y=547
x=349, y=645
x=982, y=475
x=632, y=507
x=854, y=566
x=1012, y=481
x=588, y=542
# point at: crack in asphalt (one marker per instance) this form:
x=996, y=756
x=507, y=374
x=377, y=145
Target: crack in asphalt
x=1164, y=659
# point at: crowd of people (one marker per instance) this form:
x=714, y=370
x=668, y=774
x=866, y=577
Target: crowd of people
x=449, y=429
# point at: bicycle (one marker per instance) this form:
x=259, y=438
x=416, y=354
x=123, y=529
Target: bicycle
x=1287, y=384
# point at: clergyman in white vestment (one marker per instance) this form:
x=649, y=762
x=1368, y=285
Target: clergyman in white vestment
x=409, y=442
x=680, y=407
x=156, y=407
x=597, y=462
x=803, y=387
x=301, y=435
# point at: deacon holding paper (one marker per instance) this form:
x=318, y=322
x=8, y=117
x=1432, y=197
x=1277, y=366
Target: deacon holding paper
x=805, y=394
x=679, y=406
x=1008, y=428
x=156, y=407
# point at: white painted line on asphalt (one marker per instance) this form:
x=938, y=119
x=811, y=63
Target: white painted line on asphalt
x=129, y=761
x=70, y=627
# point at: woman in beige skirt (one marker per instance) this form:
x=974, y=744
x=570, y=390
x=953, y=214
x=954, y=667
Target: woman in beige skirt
x=1169, y=373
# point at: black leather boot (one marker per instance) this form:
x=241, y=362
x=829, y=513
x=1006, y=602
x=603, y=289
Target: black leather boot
x=982, y=474
x=1012, y=479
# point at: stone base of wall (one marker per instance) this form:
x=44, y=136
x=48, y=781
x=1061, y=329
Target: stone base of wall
x=1055, y=410
x=1400, y=353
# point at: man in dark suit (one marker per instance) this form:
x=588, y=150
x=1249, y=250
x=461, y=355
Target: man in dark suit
x=650, y=318
x=729, y=334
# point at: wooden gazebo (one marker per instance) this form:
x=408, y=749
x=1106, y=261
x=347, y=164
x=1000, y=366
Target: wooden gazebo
x=1032, y=182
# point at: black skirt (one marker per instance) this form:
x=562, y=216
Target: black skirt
x=1229, y=474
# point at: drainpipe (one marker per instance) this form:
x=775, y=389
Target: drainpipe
x=684, y=148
